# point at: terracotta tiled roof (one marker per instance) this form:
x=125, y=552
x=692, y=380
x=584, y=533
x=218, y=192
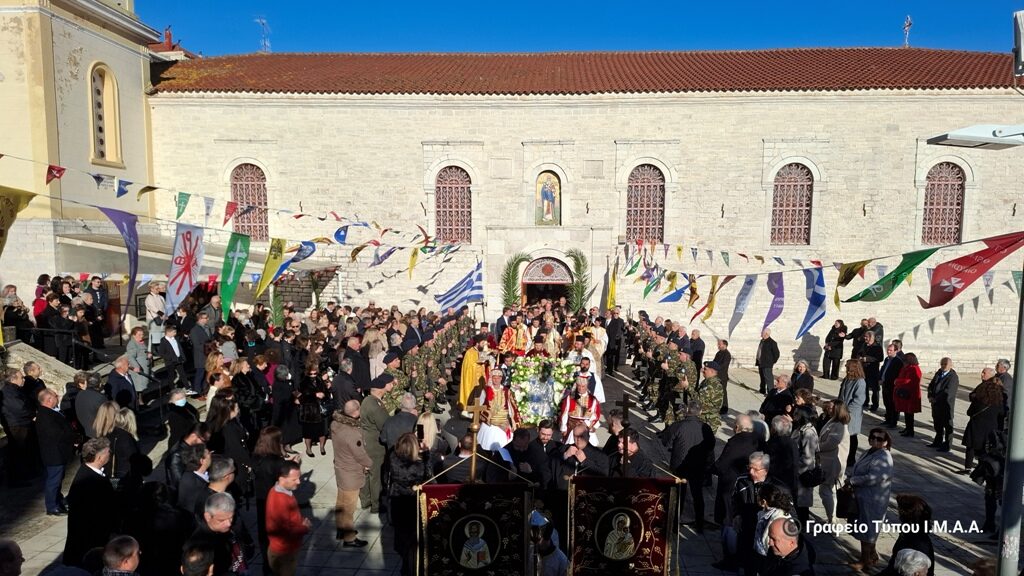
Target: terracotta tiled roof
x=591, y=72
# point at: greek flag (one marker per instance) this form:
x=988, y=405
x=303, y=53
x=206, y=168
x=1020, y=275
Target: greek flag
x=469, y=289
x=815, y=278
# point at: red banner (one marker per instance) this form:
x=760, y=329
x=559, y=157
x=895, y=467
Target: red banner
x=621, y=526
x=951, y=278
x=474, y=529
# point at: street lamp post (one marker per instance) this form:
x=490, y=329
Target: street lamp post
x=997, y=137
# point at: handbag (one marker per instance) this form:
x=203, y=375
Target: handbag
x=903, y=393
x=812, y=477
x=846, y=503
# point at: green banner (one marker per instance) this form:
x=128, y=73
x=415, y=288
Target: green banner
x=181, y=203
x=884, y=287
x=235, y=257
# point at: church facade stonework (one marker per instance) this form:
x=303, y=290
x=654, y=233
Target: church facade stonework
x=861, y=155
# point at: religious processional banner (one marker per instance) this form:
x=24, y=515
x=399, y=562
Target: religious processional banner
x=471, y=529
x=621, y=526
x=186, y=262
x=235, y=259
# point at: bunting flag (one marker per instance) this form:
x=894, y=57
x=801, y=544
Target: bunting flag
x=181, y=203
x=413, y=257
x=986, y=279
x=931, y=325
x=673, y=279
x=229, y=211
x=882, y=270
x=953, y=277
x=54, y=172
x=355, y=251
x=711, y=256
x=633, y=268
x=677, y=294
x=186, y=262
x=121, y=187
x=709, y=308
x=1018, y=277
x=143, y=191
x=960, y=310
x=777, y=290
x=847, y=272
x=725, y=257
x=779, y=261
x=653, y=283
x=930, y=271
x=610, y=303
x=887, y=284
x=304, y=250
x=947, y=315
x=694, y=296
x=760, y=259
x=341, y=234
x=666, y=251
x=379, y=258
x=11, y=203
x=235, y=258
x=742, y=300
x=245, y=211
x=275, y=256
x=99, y=179
x=975, y=301
x=208, y=203
x=679, y=253
x=798, y=262
x=815, y=300
x=694, y=252
x=126, y=224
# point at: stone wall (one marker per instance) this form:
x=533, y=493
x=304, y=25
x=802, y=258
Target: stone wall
x=376, y=157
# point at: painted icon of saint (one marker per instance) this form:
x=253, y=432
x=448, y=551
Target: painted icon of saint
x=619, y=544
x=475, y=553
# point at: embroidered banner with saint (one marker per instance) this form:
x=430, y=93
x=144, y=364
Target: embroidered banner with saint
x=621, y=526
x=471, y=529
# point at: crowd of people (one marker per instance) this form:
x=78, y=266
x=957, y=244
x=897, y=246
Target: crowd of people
x=393, y=393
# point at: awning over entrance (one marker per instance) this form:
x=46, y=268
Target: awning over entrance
x=105, y=253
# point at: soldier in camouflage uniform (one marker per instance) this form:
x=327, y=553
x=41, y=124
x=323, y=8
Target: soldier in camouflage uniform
x=413, y=365
x=709, y=393
x=391, y=400
x=656, y=372
x=433, y=361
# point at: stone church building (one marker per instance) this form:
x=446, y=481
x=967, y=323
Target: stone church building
x=774, y=157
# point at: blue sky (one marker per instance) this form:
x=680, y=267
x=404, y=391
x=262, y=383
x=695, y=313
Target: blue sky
x=227, y=26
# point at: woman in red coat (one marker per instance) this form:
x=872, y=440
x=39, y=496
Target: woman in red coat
x=907, y=392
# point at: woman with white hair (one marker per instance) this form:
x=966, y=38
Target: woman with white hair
x=801, y=378
x=912, y=563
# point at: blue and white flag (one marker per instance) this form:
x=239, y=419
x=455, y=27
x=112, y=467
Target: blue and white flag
x=815, y=299
x=676, y=295
x=469, y=289
x=742, y=300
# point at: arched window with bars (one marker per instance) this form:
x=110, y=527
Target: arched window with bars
x=249, y=190
x=453, y=206
x=792, y=197
x=105, y=117
x=943, y=205
x=645, y=205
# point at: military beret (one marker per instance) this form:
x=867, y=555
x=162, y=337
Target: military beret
x=382, y=381
x=409, y=345
x=712, y=365
x=687, y=349
x=390, y=357
x=660, y=331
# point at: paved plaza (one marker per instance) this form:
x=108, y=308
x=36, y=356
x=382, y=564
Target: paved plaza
x=918, y=469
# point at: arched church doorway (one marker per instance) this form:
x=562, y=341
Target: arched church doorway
x=545, y=278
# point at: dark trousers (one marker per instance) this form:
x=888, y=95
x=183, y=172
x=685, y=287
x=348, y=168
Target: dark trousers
x=872, y=394
x=723, y=492
x=696, y=484
x=725, y=395
x=942, y=420
x=891, y=415
x=766, y=378
x=611, y=359
x=198, y=380
x=19, y=455
x=991, y=503
x=51, y=491
x=909, y=419
x=830, y=367
x=852, y=458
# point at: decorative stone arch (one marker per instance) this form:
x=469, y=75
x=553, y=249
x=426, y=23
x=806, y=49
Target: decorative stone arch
x=104, y=116
x=429, y=190
x=546, y=270
x=566, y=183
x=229, y=167
x=622, y=186
x=971, y=186
x=820, y=186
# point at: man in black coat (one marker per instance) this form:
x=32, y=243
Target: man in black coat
x=723, y=358
x=779, y=400
x=92, y=508
x=181, y=416
x=170, y=349
x=195, y=480
x=214, y=532
x=460, y=474
x=692, y=445
x=789, y=554
x=528, y=458
x=784, y=453
x=732, y=462
x=579, y=458
x=942, y=396
x=199, y=337
x=56, y=448
x=88, y=403
x=765, y=359
x=360, y=364
x=402, y=422
x=744, y=505
x=614, y=329
x=890, y=370
x=871, y=354
x=174, y=464
x=120, y=386
x=43, y=321
x=640, y=466
x=344, y=386
x=17, y=412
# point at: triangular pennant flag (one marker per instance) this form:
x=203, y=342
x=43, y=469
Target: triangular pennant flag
x=779, y=261
x=653, y=283
x=610, y=302
x=1018, y=276
x=816, y=297
x=930, y=271
x=633, y=268
x=341, y=234
x=725, y=257
x=181, y=202
x=694, y=296
x=99, y=178
x=711, y=255
x=742, y=300
x=710, y=304
x=744, y=256
x=666, y=251
x=889, y=282
x=798, y=262
x=986, y=279
x=413, y=257
x=759, y=259
x=916, y=330
x=953, y=277
x=244, y=211
x=882, y=270
x=960, y=310
x=816, y=263
x=947, y=314
x=975, y=301
x=693, y=251
x=122, y=187
x=53, y=172
x=229, y=211
x=275, y=256
x=838, y=265
x=379, y=258
x=208, y=203
x=679, y=252
x=676, y=295
x=143, y=191
x=931, y=325
x=847, y=272
x=777, y=289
